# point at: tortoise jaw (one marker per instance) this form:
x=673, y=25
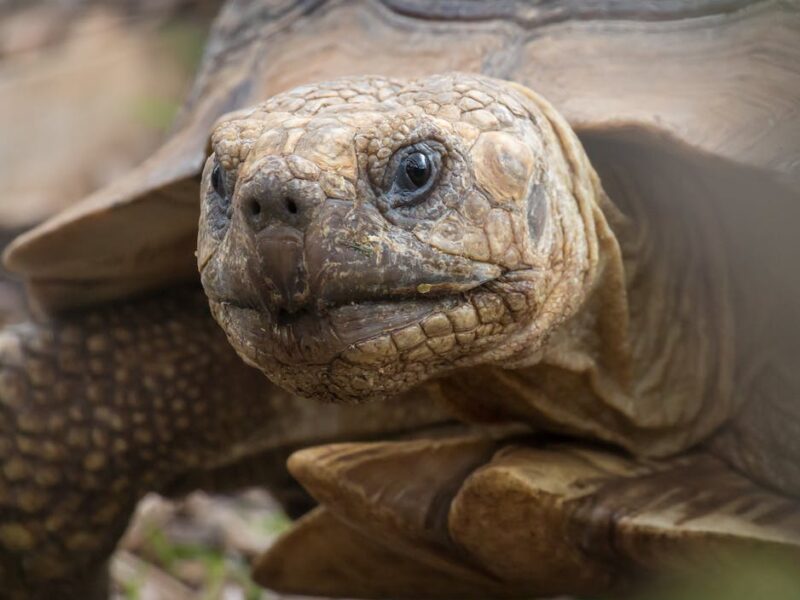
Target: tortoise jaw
x=324, y=356
x=309, y=337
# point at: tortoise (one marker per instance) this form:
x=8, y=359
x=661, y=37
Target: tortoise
x=552, y=339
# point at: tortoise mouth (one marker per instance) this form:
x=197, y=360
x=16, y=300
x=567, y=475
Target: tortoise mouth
x=307, y=336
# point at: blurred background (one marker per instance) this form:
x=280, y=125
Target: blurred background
x=87, y=90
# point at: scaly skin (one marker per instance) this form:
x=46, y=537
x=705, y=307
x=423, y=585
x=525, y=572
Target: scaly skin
x=509, y=282
x=98, y=408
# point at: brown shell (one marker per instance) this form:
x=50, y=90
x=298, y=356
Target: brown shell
x=711, y=79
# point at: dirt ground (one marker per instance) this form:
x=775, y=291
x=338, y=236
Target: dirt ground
x=199, y=547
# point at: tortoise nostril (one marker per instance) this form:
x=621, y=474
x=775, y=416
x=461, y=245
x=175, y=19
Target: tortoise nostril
x=254, y=206
x=262, y=209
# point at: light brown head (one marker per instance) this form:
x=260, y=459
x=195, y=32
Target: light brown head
x=361, y=236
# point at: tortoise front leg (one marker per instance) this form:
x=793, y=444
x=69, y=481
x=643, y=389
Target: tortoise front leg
x=95, y=410
x=521, y=518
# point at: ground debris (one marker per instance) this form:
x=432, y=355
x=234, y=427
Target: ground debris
x=198, y=547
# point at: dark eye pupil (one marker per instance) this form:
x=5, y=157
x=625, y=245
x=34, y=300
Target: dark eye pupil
x=418, y=169
x=217, y=180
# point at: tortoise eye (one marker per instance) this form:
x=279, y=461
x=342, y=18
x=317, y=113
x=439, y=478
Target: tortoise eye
x=417, y=170
x=218, y=180
x=414, y=172
x=218, y=205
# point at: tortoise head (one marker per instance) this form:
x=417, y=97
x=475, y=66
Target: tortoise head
x=361, y=236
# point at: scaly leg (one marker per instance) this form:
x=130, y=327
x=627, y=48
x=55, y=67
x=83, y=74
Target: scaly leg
x=98, y=408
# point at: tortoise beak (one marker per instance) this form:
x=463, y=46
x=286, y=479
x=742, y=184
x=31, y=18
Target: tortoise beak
x=348, y=254
x=291, y=248
x=280, y=275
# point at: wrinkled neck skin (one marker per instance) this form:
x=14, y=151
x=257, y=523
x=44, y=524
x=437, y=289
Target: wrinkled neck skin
x=646, y=361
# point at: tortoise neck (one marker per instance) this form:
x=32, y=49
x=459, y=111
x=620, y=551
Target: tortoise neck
x=638, y=365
